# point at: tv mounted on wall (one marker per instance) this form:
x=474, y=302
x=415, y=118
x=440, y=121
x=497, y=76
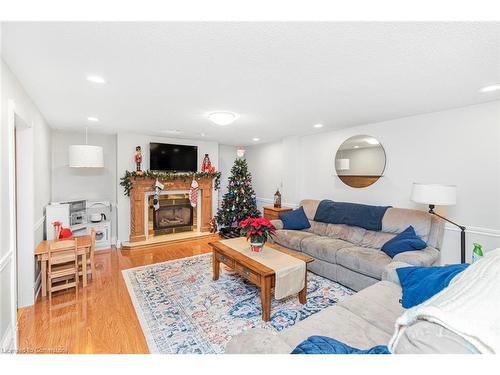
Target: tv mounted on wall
x=173, y=158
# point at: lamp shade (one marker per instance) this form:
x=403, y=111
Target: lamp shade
x=438, y=195
x=85, y=156
x=343, y=164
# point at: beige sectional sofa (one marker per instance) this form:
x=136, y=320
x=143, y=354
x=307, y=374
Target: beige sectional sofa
x=363, y=320
x=351, y=255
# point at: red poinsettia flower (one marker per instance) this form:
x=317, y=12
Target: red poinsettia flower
x=257, y=229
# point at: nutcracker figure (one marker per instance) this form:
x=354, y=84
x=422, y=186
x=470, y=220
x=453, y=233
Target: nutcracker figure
x=138, y=158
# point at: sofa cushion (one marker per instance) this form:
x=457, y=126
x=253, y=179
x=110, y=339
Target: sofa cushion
x=310, y=207
x=338, y=323
x=365, y=260
x=291, y=238
x=295, y=219
x=323, y=248
x=396, y=220
x=421, y=283
x=404, y=241
x=353, y=214
x=425, y=257
x=430, y=338
x=378, y=305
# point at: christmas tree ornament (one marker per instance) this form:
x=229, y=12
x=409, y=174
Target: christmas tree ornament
x=193, y=193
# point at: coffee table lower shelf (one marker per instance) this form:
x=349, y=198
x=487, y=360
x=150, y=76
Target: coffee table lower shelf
x=258, y=274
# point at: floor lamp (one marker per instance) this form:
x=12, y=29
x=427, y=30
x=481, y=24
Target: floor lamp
x=439, y=195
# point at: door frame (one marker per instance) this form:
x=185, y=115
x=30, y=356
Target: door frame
x=13, y=132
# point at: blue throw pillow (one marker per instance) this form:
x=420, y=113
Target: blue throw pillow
x=327, y=345
x=421, y=283
x=295, y=219
x=407, y=240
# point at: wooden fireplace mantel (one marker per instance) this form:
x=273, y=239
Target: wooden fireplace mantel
x=143, y=185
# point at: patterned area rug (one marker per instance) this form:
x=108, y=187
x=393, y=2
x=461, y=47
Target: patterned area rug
x=181, y=310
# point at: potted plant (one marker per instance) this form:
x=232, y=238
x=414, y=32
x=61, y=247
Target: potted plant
x=257, y=231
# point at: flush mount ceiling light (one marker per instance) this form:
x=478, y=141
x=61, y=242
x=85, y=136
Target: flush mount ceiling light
x=317, y=126
x=256, y=139
x=92, y=119
x=96, y=79
x=222, y=118
x=172, y=131
x=491, y=88
x=86, y=156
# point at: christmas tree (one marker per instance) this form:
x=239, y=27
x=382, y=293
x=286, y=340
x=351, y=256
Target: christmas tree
x=239, y=201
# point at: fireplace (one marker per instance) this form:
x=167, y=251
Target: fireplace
x=174, y=215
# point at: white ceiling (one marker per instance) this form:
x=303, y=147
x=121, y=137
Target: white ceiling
x=281, y=78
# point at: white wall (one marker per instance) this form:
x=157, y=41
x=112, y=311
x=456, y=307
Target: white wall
x=126, y=144
x=459, y=146
x=11, y=90
x=227, y=156
x=96, y=184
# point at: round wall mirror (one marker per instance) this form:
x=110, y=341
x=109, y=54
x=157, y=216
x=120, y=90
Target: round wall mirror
x=360, y=161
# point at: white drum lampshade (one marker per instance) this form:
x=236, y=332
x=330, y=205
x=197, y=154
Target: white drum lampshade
x=434, y=194
x=85, y=156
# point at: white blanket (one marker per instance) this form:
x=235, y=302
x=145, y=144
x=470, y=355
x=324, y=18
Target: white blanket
x=469, y=306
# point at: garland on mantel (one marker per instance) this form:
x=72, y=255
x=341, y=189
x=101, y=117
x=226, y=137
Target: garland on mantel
x=126, y=181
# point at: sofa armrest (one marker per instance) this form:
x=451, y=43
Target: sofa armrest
x=390, y=274
x=426, y=257
x=278, y=224
x=257, y=341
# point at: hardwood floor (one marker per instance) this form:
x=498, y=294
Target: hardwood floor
x=101, y=318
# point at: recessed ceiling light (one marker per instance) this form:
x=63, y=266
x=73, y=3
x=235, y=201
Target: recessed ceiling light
x=317, y=126
x=491, y=88
x=203, y=135
x=96, y=79
x=93, y=119
x=222, y=118
x=355, y=147
x=256, y=139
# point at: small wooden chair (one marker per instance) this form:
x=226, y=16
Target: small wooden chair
x=62, y=270
x=90, y=258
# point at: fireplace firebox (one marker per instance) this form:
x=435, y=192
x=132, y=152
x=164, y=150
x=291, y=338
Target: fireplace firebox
x=167, y=217
x=174, y=215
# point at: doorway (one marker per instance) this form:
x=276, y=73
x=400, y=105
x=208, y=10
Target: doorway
x=24, y=207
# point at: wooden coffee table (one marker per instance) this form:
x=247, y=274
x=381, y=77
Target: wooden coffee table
x=258, y=274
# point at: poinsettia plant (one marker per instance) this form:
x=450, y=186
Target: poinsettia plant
x=257, y=229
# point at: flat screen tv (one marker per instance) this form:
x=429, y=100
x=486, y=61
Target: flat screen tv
x=173, y=158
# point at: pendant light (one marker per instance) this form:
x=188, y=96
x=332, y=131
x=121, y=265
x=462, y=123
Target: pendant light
x=86, y=156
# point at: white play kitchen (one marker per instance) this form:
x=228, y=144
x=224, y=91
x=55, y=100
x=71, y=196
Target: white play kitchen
x=80, y=216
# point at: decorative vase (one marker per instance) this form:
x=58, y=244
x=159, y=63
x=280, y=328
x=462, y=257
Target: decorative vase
x=256, y=247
